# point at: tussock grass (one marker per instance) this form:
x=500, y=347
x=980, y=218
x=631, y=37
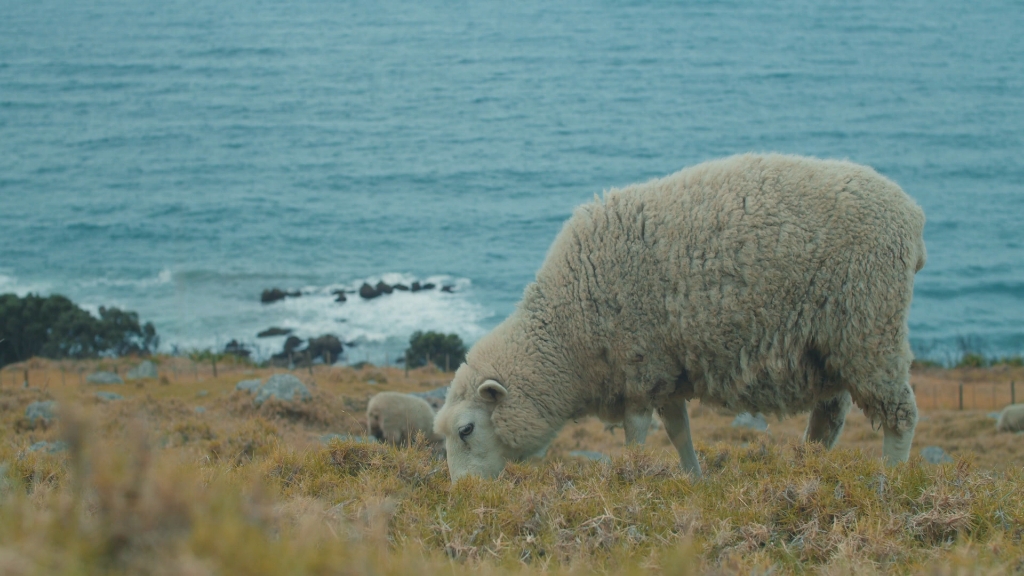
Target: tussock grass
x=250, y=504
x=151, y=486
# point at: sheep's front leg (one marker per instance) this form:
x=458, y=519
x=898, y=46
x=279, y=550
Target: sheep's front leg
x=677, y=424
x=636, y=424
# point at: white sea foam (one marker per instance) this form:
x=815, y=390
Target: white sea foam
x=10, y=284
x=377, y=328
x=165, y=276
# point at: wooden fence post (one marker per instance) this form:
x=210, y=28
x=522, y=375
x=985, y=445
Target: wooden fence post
x=961, y=395
x=309, y=362
x=25, y=385
x=1013, y=392
x=446, y=362
x=213, y=360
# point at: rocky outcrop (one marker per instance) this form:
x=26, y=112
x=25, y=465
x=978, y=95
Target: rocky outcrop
x=145, y=370
x=249, y=386
x=368, y=292
x=238, y=349
x=746, y=420
x=283, y=387
x=275, y=294
x=274, y=331
x=41, y=413
x=327, y=348
x=103, y=378
x=935, y=455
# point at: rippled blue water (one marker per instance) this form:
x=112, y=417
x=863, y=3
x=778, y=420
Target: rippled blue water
x=178, y=157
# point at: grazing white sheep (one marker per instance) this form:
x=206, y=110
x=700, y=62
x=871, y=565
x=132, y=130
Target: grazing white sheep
x=396, y=418
x=762, y=283
x=1011, y=419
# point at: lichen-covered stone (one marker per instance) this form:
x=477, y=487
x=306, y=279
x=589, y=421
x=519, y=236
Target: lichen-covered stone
x=283, y=387
x=103, y=378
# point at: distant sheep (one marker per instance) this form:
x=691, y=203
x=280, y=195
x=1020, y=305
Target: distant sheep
x=395, y=417
x=1011, y=419
x=761, y=283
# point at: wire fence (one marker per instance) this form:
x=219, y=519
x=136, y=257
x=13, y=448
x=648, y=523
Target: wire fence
x=930, y=395
x=965, y=395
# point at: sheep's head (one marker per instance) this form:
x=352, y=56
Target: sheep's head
x=466, y=421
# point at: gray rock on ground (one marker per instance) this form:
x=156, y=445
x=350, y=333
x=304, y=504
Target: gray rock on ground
x=109, y=396
x=326, y=438
x=103, y=378
x=746, y=420
x=433, y=397
x=249, y=386
x=283, y=387
x=49, y=447
x=44, y=410
x=935, y=455
x=145, y=370
x=590, y=455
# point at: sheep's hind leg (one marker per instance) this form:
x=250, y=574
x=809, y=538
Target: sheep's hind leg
x=677, y=424
x=827, y=419
x=636, y=424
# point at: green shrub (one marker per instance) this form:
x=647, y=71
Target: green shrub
x=1014, y=361
x=972, y=360
x=440, y=348
x=55, y=327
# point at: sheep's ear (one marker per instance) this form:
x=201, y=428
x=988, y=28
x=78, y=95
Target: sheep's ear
x=491, y=391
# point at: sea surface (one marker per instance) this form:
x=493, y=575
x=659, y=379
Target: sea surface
x=178, y=157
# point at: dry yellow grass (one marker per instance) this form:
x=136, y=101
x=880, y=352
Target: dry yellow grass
x=150, y=485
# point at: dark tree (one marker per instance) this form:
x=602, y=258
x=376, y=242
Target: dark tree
x=435, y=346
x=54, y=327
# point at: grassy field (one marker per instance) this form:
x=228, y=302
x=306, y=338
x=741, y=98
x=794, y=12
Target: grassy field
x=185, y=476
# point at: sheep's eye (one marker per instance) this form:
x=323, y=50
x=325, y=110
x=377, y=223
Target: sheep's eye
x=465, y=431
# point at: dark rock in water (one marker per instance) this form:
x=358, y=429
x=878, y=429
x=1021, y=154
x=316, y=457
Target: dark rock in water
x=383, y=288
x=339, y=296
x=43, y=412
x=292, y=344
x=745, y=420
x=416, y=287
x=50, y=447
x=935, y=455
x=327, y=438
x=283, y=387
x=274, y=331
x=275, y=294
x=145, y=370
x=249, y=386
x=290, y=355
x=327, y=346
x=429, y=286
x=401, y=287
x=448, y=288
x=590, y=455
x=368, y=292
x=109, y=396
x=103, y=378
x=238, y=349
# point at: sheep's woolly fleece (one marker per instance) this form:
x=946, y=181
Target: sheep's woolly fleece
x=764, y=283
x=395, y=417
x=1011, y=419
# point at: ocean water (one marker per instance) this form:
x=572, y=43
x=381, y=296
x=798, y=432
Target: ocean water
x=176, y=158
